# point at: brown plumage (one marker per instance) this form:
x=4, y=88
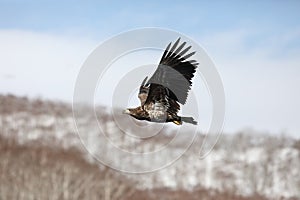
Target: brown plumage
x=169, y=85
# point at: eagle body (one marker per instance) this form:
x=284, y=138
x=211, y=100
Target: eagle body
x=169, y=85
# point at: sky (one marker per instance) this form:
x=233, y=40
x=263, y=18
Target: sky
x=255, y=46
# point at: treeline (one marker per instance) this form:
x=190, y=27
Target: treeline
x=33, y=171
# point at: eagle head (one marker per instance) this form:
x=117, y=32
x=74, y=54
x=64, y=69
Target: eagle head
x=127, y=111
x=138, y=113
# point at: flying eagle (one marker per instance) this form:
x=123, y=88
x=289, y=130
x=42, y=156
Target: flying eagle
x=169, y=85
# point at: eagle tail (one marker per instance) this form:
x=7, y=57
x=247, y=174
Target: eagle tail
x=189, y=120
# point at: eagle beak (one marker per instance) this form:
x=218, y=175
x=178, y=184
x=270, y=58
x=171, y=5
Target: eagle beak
x=126, y=111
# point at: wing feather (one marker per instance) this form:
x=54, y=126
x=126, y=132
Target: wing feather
x=143, y=92
x=174, y=73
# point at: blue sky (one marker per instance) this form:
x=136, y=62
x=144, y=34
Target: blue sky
x=193, y=17
x=101, y=19
x=255, y=45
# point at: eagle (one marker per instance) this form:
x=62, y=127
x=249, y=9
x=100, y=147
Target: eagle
x=162, y=94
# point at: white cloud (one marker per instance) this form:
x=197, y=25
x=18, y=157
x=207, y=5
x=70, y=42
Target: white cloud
x=261, y=81
x=262, y=90
x=38, y=64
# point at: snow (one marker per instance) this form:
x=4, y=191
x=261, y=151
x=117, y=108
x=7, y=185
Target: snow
x=264, y=165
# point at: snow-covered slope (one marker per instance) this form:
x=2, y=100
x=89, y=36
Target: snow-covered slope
x=244, y=163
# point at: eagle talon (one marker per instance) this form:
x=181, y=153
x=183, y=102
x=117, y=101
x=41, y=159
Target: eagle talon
x=177, y=122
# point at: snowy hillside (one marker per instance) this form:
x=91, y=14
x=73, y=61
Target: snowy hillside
x=246, y=163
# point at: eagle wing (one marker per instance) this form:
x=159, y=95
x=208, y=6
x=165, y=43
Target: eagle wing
x=171, y=81
x=143, y=92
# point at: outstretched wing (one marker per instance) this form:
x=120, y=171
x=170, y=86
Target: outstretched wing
x=143, y=92
x=173, y=76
